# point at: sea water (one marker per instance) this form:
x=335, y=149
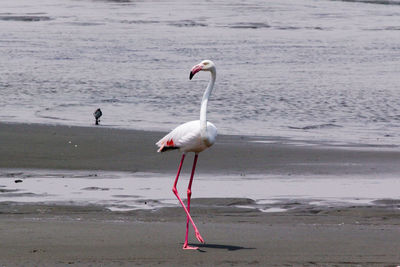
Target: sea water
x=305, y=69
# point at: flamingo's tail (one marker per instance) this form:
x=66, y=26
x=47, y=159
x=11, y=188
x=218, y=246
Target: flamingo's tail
x=165, y=145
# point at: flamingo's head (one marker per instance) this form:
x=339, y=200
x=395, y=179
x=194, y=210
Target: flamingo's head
x=205, y=65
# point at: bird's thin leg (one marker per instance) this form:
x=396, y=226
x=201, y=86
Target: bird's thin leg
x=189, y=194
x=198, y=236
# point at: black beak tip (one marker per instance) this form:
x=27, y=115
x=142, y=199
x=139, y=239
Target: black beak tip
x=191, y=75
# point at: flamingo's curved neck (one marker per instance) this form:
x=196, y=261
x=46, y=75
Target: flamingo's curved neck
x=204, y=102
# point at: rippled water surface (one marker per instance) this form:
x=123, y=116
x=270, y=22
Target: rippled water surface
x=315, y=70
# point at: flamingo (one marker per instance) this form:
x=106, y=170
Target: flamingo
x=193, y=136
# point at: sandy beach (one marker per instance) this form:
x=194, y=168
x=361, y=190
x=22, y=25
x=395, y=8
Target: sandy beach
x=236, y=233
x=305, y=170
x=98, y=148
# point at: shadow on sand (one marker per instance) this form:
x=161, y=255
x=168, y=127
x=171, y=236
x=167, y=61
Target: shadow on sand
x=217, y=246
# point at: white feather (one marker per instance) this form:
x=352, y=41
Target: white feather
x=187, y=137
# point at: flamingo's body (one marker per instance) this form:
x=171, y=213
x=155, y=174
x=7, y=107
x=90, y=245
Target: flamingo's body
x=187, y=138
x=193, y=136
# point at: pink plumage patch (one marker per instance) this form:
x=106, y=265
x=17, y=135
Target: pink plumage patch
x=168, y=145
x=170, y=142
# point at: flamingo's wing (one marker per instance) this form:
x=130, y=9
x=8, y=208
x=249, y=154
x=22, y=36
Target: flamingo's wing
x=181, y=136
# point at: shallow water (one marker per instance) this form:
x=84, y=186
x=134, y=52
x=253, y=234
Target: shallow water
x=314, y=70
x=123, y=191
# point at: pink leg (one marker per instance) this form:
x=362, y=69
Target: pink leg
x=189, y=194
x=198, y=236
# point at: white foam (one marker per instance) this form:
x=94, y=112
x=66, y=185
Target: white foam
x=274, y=210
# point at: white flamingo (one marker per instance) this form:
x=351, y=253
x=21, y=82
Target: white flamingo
x=192, y=136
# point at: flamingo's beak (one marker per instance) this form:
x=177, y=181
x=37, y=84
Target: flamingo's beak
x=195, y=70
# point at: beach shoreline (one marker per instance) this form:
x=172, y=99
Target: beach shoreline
x=236, y=233
x=41, y=146
x=305, y=170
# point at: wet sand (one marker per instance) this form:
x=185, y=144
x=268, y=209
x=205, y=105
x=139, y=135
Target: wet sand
x=100, y=148
x=60, y=235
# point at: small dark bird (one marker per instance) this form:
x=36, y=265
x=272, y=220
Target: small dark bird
x=97, y=114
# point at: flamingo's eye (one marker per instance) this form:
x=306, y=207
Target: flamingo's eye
x=205, y=63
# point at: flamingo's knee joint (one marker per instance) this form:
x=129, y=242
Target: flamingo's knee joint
x=175, y=191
